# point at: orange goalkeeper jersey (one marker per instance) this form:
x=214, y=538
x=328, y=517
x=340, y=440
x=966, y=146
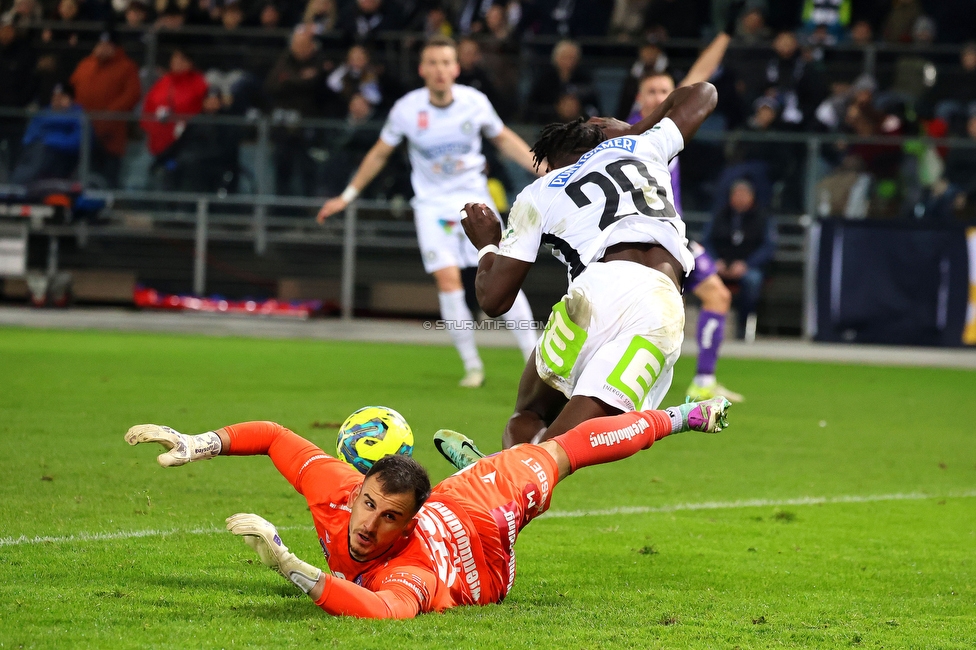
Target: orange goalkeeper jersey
x=462, y=549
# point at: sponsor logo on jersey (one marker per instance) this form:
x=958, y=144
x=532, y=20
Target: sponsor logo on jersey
x=627, y=144
x=447, y=524
x=446, y=149
x=423, y=120
x=610, y=438
x=540, y=473
x=506, y=518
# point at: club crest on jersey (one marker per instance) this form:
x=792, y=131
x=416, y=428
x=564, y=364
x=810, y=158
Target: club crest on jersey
x=423, y=120
x=563, y=177
x=467, y=128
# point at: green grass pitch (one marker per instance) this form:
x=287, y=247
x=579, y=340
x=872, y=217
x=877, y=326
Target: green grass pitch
x=884, y=555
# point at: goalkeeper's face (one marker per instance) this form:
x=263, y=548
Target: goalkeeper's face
x=378, y=520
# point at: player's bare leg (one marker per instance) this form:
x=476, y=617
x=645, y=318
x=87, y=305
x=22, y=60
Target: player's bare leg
x=454, y=311
x=537, y=404
x=716, y=301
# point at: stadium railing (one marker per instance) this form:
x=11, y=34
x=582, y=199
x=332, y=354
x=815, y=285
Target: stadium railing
x=260, y=213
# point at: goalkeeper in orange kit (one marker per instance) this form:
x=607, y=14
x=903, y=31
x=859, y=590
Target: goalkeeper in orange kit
x=393, y=546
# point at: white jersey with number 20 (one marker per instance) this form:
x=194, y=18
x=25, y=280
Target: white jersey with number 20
x=619, y=192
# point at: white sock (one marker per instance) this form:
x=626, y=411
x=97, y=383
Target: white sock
x=704, y=381
x=456, y=313
x=520, y=318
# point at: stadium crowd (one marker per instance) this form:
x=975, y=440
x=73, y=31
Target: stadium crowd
x=795, y=66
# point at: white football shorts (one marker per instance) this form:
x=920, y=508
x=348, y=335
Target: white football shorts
x=440, y=234
x=614, y=336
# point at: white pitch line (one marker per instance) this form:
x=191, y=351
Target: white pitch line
x=552, y=514
x=755, y=503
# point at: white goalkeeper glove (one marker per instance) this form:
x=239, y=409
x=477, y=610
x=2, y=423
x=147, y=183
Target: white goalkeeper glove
x=182, y=448
x=262, y=536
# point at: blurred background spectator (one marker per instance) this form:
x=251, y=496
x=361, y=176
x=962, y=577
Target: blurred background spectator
x=52, y=141
x=358, y=76
x=107, y=80
x=741, y=240
x=177, y=95
x=563, y=85
x=295, y=87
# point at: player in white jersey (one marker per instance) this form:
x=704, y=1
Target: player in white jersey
x=443, y=124
x=704, y=282
x=605, y=206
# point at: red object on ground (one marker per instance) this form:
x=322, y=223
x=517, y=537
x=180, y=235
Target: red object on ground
x=150, y=298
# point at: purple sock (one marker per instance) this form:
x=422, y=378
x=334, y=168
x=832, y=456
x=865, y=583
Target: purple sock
x=711, y=330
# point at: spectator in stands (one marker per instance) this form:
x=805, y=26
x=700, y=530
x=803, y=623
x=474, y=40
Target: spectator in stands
x=627, y=19
x=742, y=241
x=674, y=19
x=825, y=22
x=901, y=20
x=171, y=14
x=358, y=76
x=66, y=12
x=752, y=28
x=832, y=111
x=136, y=13
x=176, y=96
x=566, y=18
x=107, y=80
x=363, y=19
x=915, y=74
x=498, y=27
x=17, y=64
x=321, y=15
x=473, y=73
x=862, y=33
x=23, y=13
x=295, y=85
x=269, y=15
x=650, y=58
x=434, y=22
x=956, y=88
x=52, y=141
x=794, y=81
x=562, y=77
x=205, y=158
x=232, y=15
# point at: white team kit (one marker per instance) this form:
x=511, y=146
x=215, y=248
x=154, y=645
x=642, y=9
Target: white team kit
x=448, y=168
x=616, y=334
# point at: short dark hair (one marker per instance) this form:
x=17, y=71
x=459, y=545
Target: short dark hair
x=439, y=40
x=399, y=474
x=563, y=139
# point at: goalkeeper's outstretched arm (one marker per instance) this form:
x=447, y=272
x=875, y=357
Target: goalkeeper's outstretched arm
x=292, y=455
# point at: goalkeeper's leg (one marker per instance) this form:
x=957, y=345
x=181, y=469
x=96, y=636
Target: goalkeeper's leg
x=603, y=440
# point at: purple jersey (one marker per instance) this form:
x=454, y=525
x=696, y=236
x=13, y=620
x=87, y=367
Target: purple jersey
x=704, y=264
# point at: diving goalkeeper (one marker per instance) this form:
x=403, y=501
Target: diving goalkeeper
x=395, y=547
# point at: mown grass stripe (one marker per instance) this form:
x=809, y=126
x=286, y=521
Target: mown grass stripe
x=554, y=514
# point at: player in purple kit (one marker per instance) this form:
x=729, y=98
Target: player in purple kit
x=704, y=282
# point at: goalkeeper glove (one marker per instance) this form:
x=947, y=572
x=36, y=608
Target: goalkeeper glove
x=182, y=448
x=262, y=537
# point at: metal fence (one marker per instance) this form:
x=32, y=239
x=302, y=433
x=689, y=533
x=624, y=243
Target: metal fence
x=259, y=210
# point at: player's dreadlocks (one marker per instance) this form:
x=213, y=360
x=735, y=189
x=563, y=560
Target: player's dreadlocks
x=559, y=140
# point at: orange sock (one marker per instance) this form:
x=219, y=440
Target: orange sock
x=603, y=440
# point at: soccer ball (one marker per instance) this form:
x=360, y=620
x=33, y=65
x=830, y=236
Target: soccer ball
x=371, y=433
